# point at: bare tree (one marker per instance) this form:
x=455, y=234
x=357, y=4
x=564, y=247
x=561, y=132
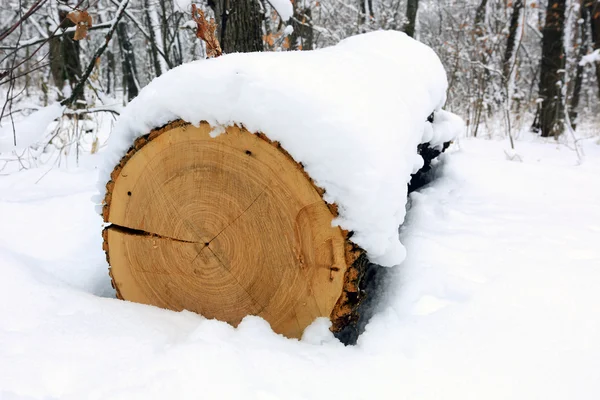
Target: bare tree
x=130, y=79
x=550, y=90
x=582, y=45
x=594, y=10
x=302, y=37
x=412, y=7
x=512, y=37
x=65, y=63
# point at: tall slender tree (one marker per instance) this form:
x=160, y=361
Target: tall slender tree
x=130, y=80
x=511, y=41
x=583, y=45
x=551, y=112
x=412, y=7
x=480, y=16
x=65, y=63
x=152, y=47
x=594, y=10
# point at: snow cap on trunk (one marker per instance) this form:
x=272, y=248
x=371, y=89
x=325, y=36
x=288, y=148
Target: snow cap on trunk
x=352, y=114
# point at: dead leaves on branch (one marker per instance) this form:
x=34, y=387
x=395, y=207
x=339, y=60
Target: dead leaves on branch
x=82, y=21
x=206, y=30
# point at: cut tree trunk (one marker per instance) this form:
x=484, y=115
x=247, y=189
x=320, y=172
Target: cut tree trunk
x=228, y=227
x=232, y=226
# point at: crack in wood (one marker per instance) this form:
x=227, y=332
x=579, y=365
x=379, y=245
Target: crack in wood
x=138, y=232
x=239, y=216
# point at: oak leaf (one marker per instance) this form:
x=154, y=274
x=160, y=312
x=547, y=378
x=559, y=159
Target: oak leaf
x=82, y=21
x=206, y=30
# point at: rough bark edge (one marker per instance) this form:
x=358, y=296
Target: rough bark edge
x=345, y=311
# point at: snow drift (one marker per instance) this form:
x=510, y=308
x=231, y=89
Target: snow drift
x=352, y=114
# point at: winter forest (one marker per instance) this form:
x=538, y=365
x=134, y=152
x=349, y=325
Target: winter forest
x=510, y=64
x=299, y=199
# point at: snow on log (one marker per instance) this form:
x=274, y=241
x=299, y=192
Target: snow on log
x=265, y=183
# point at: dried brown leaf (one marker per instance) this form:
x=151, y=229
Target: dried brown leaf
x=82, y=21
x=206, y=30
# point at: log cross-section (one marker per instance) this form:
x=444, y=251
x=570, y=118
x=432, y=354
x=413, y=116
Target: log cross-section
x=227, y=226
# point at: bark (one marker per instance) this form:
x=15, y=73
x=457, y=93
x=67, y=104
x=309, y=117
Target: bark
x=153, y=51
x=110, y=72
x=480, y=16
x=512, y=38
x=594, y=8
x=583, y=47
x=111, y=68
x=553, y=52
x=78, y=88
x=481, y=77
x=302, y=37
x=239, y=25
x=130, y=79
x=364, y=12
x=164, y=29
x=411, y=15
x=65, y=64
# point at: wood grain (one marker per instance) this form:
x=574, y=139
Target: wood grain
x=227, y=227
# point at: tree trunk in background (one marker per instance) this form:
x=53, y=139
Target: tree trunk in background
x=239, y=29
x=594, y=7
x=153, y=52
x=302, y=36
x=164, y=31
x=582, y=51
x=65, y=64
x=130, y=81
x=411, y=15
x=364, y=12
x=480, y=16
x=110, y=72
x=481, y=76
x=553, y=52
x=512, y=38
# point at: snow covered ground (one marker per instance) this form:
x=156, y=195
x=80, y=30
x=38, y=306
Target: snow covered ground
x=498, y=298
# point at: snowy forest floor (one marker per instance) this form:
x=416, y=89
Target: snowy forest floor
x=498, y=298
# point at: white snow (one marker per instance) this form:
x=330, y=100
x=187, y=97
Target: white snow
x=353, y=114
x=29, y=130
x=590, y=58
x=288, y=30
x=497, y=299
x=183, y=5
x=284, y=8
x=191, y=24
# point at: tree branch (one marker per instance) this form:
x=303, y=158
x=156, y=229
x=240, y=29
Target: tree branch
x=139, y=25
x=34, y=41
x=78, y=89
x=34, y=7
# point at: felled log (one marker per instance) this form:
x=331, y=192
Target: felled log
x=227, y=227
x=224, y=220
